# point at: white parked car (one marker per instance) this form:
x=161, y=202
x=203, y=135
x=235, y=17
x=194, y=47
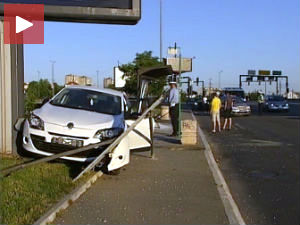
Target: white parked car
x=78, y=116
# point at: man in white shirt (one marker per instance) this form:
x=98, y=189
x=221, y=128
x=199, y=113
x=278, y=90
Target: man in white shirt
x=174, y=107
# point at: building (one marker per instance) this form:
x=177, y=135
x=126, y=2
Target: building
x=293, y=95
x=72, y=79
x=107, y=82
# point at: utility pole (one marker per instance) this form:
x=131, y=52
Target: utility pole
x=280, y=87
x=97, y=78
x=52, y=76
x=219, y=83
x=265, y=88
x=161, y=30
x=209, y=86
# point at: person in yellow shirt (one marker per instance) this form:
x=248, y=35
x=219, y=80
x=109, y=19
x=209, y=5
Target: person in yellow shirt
x=216, y=105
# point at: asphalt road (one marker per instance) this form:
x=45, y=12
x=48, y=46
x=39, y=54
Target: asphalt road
x=259, y=159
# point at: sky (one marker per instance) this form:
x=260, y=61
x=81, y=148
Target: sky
x=232, y=36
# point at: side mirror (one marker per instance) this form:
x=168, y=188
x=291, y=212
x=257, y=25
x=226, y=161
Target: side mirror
x=45, y=100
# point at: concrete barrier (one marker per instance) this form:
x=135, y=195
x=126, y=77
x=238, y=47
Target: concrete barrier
x=164, y=113
x=189, y=129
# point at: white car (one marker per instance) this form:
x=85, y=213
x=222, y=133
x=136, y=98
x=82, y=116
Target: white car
x=78, y=116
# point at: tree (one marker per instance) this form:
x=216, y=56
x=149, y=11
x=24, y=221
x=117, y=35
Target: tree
x=37, y=91
x=142, y=60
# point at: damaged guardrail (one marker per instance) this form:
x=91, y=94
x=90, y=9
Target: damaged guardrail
x=112, y=144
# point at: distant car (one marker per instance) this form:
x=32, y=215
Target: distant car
x=274, y=103
x=195, y=103
x=240, y=107
x=79, y=116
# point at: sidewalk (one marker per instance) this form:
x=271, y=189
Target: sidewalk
x=174, y=188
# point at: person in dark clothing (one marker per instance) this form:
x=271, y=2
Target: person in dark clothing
x=228, y=111
x=260, y=102
x=174, y=107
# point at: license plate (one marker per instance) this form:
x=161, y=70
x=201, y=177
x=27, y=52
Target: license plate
x=67, y=141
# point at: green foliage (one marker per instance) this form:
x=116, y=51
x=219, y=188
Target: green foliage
x=37, y=91
x=27, y=194
x=142, y=60
x=253, y=96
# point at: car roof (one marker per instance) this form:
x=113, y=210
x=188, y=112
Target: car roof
x=93, y=88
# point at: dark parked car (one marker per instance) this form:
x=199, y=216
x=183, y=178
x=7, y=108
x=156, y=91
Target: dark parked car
x=275, y=103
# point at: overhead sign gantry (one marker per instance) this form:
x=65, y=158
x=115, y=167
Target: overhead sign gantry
x=264, y=76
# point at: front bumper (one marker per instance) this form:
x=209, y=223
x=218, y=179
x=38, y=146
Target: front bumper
x=278, y=108
x=39, y=142
x=241, y=112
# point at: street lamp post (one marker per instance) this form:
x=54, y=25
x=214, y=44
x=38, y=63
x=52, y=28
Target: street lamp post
x=219, y=83
x=97, y=78
x=52, y=76
x=161, y=30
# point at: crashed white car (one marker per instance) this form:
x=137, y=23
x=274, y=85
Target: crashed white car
x=78, y=116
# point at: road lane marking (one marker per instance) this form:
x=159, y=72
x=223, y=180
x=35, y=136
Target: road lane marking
x=231, y=209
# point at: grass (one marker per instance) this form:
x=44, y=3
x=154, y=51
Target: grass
x=27, y=194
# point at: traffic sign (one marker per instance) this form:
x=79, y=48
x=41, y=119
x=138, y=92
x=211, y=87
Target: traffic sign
x=264, y=72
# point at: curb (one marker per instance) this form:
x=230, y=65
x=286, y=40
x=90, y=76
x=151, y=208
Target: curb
x=231, y=209
x=64, y=203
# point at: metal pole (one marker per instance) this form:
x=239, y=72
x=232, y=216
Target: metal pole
x=151, y=134
x=209, y=87
x=219, y=83
x=240, y=81
x=287, y=86
x=179, y=113
x=97, y=78
x=277, y=86
x=265, y=87
x=52, y=76
x=161, y=30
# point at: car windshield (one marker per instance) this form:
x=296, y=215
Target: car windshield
x=276, y=98
x=237, y=100
x=88, y=100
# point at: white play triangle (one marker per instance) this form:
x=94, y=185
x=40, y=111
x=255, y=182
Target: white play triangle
x=22, y=24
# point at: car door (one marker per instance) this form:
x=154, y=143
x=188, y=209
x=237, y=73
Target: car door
x=140, y=137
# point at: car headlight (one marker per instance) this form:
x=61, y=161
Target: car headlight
x=108, y=133
x=36, y=122
x=234, y=108
x=248, y=107
x=272, y=105
x=286, y=105
x=196, y=103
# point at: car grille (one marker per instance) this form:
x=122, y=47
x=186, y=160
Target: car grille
x=40, y=143
x=242, y=108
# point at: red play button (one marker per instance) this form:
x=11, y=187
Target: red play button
x=23, y=24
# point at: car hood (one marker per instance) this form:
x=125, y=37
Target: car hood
x=80, y=118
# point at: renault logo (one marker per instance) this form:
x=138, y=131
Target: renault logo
x=70, y=125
